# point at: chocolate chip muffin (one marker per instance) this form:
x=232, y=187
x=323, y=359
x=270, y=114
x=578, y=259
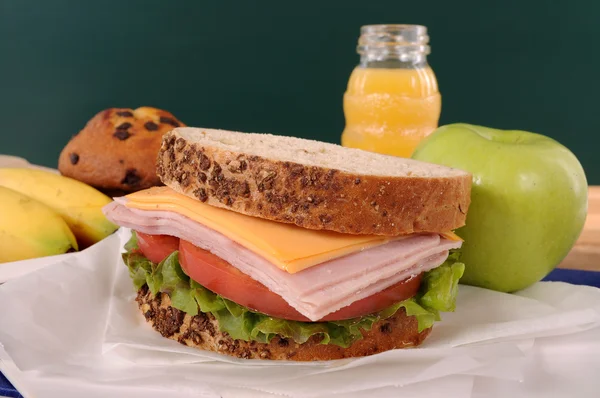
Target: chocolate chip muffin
x=117, y=149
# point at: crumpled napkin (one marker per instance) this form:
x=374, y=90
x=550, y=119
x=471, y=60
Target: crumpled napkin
x=73, y=327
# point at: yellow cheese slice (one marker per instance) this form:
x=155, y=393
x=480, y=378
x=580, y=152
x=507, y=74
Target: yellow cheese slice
x=289, y=247
x=451, y=236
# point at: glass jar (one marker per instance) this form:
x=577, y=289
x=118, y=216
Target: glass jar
x=392, y=99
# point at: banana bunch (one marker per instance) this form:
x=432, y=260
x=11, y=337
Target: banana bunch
x=43, y=214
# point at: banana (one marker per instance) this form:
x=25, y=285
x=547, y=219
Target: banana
x=77, y=203
x=30, y=229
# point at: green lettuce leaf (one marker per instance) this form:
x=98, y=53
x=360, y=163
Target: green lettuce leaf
x=139, y=267
x=439, y=286
x=437, y=293
x=132, y=243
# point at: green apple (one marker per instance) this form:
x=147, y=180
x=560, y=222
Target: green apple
x=528, y=202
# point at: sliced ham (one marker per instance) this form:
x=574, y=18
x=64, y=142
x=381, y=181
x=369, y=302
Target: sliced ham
x=316, y=291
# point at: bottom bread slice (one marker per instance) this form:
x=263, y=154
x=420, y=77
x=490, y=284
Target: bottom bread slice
x=202, y=332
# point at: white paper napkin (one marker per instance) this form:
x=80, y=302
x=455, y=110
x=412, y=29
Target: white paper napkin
x=73, y=326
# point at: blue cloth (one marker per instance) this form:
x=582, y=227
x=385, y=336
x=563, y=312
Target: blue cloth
x=6, y=389
x=575, y=277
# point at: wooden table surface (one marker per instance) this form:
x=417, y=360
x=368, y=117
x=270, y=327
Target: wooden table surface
x=586, y=253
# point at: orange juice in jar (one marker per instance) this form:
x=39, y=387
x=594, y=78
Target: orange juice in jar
x=392, y=100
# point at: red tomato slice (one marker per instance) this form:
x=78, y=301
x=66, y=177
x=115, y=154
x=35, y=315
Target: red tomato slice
x=219, y=276
x=224, y=279
x=157, y=247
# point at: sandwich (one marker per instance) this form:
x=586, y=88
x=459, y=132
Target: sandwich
x=268, y=247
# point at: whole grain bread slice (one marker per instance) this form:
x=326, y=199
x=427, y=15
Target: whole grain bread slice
x=313, y=184
x=202, y=332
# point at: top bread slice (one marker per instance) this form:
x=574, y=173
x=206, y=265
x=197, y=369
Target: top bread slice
x=313, y=184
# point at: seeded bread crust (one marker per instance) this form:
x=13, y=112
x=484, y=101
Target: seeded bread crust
x=313, y=197
x=202, y=332
x=116, y=150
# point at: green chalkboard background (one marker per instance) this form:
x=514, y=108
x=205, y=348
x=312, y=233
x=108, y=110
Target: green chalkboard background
x=281, y=66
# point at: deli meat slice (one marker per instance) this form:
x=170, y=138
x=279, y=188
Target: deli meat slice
x=316, y=291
